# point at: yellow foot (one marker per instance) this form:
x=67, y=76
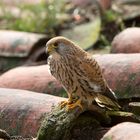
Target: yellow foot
x=73, y=105
x=64, y=103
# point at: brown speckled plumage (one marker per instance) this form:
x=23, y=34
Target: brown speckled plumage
x=79, y=73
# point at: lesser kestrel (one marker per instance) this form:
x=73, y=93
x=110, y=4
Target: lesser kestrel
x=80, y=75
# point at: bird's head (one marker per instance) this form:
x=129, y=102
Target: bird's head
x=60, y=46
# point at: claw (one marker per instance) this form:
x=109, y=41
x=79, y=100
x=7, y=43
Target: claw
x=64, y=103
x=73, y=105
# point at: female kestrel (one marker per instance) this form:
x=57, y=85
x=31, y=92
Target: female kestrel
x=80, y=75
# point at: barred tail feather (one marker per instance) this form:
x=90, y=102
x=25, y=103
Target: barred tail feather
x=106, y=102
x=110, y=94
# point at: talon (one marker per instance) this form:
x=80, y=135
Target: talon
x=73, y=105
x=63, y=104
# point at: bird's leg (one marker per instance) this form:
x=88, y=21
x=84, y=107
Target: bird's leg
x=70, y=100
x=64, y=103
x=75, y=104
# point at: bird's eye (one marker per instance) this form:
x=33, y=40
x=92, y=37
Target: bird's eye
x=55, y=44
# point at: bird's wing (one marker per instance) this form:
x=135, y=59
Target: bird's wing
x=105, y=97
x=93, y=73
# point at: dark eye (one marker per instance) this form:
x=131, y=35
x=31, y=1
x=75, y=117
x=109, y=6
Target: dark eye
x=56, y=44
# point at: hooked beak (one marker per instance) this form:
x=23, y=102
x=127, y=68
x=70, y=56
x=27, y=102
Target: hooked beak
x=50, y=49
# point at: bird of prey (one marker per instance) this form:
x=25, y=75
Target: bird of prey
x=80, y=75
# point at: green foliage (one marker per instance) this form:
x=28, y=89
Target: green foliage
x=41, y=17
x=104, y=40
x=110, y=16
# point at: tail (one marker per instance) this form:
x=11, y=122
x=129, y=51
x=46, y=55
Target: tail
x=107, y=100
